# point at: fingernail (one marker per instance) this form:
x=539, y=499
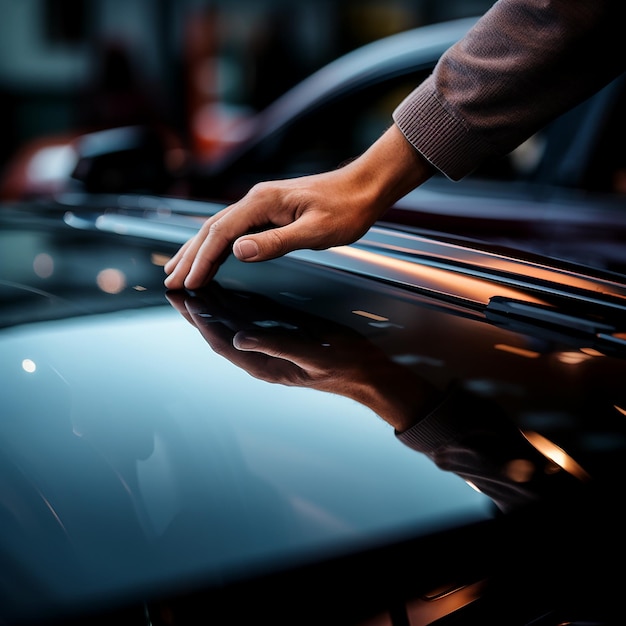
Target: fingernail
x=194, y=307
x=243, y=341
x=246, y=249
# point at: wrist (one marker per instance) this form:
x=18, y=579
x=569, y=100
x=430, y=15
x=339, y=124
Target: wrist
x=390, y=169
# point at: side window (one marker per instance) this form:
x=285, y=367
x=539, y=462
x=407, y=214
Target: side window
x=326, y=137
x=520, y=164
x=605, y=170
x=584, y=149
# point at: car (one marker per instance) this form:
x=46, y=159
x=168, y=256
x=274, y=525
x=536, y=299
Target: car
x=425, y=427
x=231, y=455
x=314, y=125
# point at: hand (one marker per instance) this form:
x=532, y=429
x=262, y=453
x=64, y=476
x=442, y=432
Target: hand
x=315, y=212
x=305, y=351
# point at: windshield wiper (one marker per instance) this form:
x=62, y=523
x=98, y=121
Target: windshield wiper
x=566, y=320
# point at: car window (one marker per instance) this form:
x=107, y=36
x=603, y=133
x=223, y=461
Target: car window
x=340, y=131
x=582, y=149
x=320, y=140
x=605, y=167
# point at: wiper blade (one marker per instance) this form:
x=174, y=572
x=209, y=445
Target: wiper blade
x=542, y=313
x=565, y=320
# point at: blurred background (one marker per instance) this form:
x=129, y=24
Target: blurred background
x=73, y=66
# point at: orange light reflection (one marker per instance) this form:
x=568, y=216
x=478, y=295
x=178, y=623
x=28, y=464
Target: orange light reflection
x=530, y=354
x=372, y=316
x=441, y=281
x=556, y=454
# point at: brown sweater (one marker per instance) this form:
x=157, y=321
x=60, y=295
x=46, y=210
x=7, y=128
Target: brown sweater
x=524, y=63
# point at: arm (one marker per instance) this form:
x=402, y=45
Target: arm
x=459, y=431
x=524, y=63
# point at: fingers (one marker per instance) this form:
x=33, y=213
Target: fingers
x=220, y=338
x=276, y=346
x=198, y=260
x=263, y=246
x=270, y=221
x=310, y=230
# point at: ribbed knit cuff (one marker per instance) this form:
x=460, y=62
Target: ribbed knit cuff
x=440, y=137
x=439, y=426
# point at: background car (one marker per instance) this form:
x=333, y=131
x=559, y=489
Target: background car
x=329, y=117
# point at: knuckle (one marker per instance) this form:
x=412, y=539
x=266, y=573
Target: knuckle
x=206, y=227
x=261, y=189
x=277, y=241
x=216, y=231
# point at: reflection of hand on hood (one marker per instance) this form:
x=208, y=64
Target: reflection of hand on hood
x=278, y=344
x=459, y=431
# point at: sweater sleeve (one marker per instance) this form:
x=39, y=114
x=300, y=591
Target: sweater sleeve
x=475, y=439
x=524, y=63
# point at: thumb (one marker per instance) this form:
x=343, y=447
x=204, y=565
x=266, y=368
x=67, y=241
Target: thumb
x=246, y=249
x=262, y=246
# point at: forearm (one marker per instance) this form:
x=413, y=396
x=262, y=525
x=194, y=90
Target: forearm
x=387, y=171
x=395, y=393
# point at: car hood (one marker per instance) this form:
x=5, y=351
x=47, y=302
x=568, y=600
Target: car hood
x=141, y=453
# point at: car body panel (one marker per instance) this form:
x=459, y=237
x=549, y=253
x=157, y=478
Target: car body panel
x=139, y=463
x=146, y=459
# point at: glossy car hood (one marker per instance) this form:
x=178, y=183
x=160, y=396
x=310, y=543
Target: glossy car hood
x=142, y=453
